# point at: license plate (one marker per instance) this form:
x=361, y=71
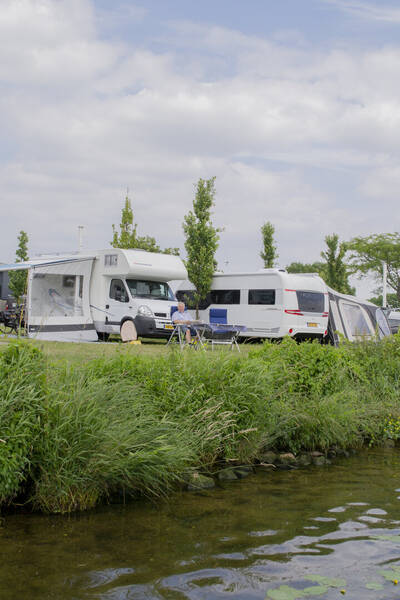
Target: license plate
x=168, y=326
x=312, y=324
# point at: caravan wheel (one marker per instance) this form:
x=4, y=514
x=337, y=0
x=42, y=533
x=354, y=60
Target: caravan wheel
x=103, y=336
x=128, y=331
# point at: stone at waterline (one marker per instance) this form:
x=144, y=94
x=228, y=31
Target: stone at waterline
x=304, y=460
x=227, y=474
x=319, y=461
x=268, y=457
x=389, y=444
x=200, y=482
x=243, y=471
x=266, y=467
x=287, y=459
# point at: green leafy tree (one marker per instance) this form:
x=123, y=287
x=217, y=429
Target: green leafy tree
x=391, y=299
x=335, y=268
x=201, y=241
x=18, y=279
x=299, y=267
x=369, y=253
x=127, y=236
x=268, y=253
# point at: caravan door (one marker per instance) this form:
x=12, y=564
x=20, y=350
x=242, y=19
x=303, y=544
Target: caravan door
x=58, y=301
x=357, y=322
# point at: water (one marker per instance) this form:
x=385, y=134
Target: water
x=242, y=541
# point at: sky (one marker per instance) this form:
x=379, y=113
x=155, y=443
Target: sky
x=293, y=105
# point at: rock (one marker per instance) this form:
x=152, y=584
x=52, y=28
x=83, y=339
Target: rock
x=342, y=452
x=319, y=461
x=227, y=474
x=266, y=467
x=200, y=482
x=287, y=459
x=283, y=467
x=243, y=471
x=316, y=453
x=389, y=444
x=304, y=460
x=268, y=457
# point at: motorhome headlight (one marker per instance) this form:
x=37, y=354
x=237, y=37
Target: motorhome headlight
x=145, y=311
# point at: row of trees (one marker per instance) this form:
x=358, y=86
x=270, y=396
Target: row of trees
x=333, y=269
x=362, y=255
x=340, y=260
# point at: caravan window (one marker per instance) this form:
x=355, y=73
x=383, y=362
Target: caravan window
x=187, y=296
x=155, y=290
x=261, y=296
x=355, y=319
x=118, y=291
x=225, y=296
x=110, y=260
x=311, y=301
x=56, y=295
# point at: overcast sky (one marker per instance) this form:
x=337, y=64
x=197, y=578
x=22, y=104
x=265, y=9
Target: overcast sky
x=293, y=105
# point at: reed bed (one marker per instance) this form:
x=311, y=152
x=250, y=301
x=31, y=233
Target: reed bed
x=73, y=436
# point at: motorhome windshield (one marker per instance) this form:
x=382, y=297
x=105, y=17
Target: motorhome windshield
x=155, y=290
x=311, y=301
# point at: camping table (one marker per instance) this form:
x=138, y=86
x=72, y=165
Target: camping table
x=198, y=326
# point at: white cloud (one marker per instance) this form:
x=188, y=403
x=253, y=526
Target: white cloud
x=368, y=10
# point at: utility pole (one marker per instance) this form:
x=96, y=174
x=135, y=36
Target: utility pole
x=384, y=283
x=80, y=238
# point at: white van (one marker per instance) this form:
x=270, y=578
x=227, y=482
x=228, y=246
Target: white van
x=270, y=303
x=85, y=296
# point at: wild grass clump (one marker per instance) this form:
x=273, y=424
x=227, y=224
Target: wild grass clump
x=102, y=439
x=22, y=402
x=223, y=389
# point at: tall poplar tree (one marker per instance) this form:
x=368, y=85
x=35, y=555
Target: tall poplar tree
x=201, y=241
x=268, y=253
x=17, y=279
x=128, y=237
x=336, y=269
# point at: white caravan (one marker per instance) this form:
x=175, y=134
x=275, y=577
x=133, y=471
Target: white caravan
x=270, y=303
x=85, y=296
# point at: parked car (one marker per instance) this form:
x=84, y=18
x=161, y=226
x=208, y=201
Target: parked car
x=393, y=318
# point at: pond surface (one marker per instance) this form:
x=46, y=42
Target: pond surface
x=316, y=532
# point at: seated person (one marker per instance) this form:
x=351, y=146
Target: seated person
x=183, y=316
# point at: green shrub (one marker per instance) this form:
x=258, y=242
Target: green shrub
x=22, y=398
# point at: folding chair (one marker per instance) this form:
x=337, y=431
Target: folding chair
x=219, y=332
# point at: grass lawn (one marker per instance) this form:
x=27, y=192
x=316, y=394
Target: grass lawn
x=82, y=353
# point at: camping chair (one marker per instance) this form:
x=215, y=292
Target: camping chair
x=178, y=334
x=219, y=332
x=13, y=319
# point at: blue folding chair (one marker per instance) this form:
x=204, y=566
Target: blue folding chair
x=219, y=332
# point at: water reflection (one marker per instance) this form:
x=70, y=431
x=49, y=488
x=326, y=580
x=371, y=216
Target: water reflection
x=242, y=541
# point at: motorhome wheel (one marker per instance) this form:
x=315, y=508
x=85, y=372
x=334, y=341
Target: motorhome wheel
x=128, y=331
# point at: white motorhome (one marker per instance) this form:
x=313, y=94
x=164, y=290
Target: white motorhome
x=85, y=296
x=270, y=303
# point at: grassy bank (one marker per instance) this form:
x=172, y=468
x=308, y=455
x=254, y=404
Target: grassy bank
x=73, y=434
